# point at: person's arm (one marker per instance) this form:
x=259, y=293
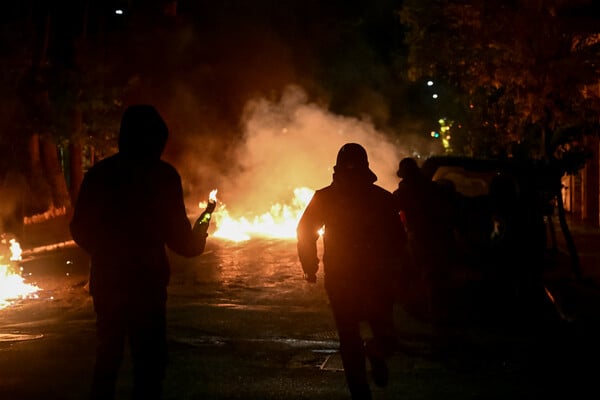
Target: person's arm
x=307, y=235
x=180, y=235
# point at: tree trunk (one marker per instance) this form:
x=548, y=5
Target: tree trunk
x=40, y=198
x=76, y=156
x=76, y=168
x=54, y=174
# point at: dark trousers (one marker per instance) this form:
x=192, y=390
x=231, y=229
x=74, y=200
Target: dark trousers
x=350, y=308
x=143, y=323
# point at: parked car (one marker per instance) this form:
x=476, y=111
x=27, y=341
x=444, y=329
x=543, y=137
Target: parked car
x=503, y=217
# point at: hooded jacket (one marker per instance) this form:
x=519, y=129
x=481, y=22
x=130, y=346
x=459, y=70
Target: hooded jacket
x=363, y=233
x=130, y=206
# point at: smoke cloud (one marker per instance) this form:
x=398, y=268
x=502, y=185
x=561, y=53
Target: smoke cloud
x=287, y=143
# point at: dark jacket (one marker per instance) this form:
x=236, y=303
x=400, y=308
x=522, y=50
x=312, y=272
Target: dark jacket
x=128, y=209
x=363, y=237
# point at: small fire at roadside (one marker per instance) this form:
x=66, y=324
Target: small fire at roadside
x=279, y=222
x=12, y=285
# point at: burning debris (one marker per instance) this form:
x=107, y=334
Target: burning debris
x=279, y=222
x=12, y=285
x=52, y=212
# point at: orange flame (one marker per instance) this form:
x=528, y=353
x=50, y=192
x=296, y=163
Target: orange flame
x=279, y=222
x=12, y=285
x=15, y=250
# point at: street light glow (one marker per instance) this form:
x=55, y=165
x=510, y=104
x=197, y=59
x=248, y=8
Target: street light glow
x=119, y=11
x=435, y=96
x=429, y=83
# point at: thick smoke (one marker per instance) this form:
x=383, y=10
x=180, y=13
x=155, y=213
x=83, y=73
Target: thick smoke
x=290, y=143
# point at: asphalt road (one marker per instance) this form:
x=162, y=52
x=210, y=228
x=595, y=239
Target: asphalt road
x=243, y=325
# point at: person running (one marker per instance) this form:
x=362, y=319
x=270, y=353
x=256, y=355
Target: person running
x=363, y=237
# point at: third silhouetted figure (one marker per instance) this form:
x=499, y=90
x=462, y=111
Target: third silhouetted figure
x=427, y=209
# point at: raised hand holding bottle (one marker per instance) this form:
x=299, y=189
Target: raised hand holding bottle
x=203, y=221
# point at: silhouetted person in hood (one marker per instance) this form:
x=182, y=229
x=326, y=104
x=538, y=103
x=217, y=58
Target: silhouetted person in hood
x=428, y=210
x=363, y=241
x=129, y=208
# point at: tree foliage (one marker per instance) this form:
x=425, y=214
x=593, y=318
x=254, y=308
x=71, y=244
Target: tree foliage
x=524, y=69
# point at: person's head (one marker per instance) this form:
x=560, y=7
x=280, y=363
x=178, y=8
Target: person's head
x=352, y=161
x=143, y=132
x=408, y=169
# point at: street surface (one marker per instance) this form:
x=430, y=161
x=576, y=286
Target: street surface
x=244, y=325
